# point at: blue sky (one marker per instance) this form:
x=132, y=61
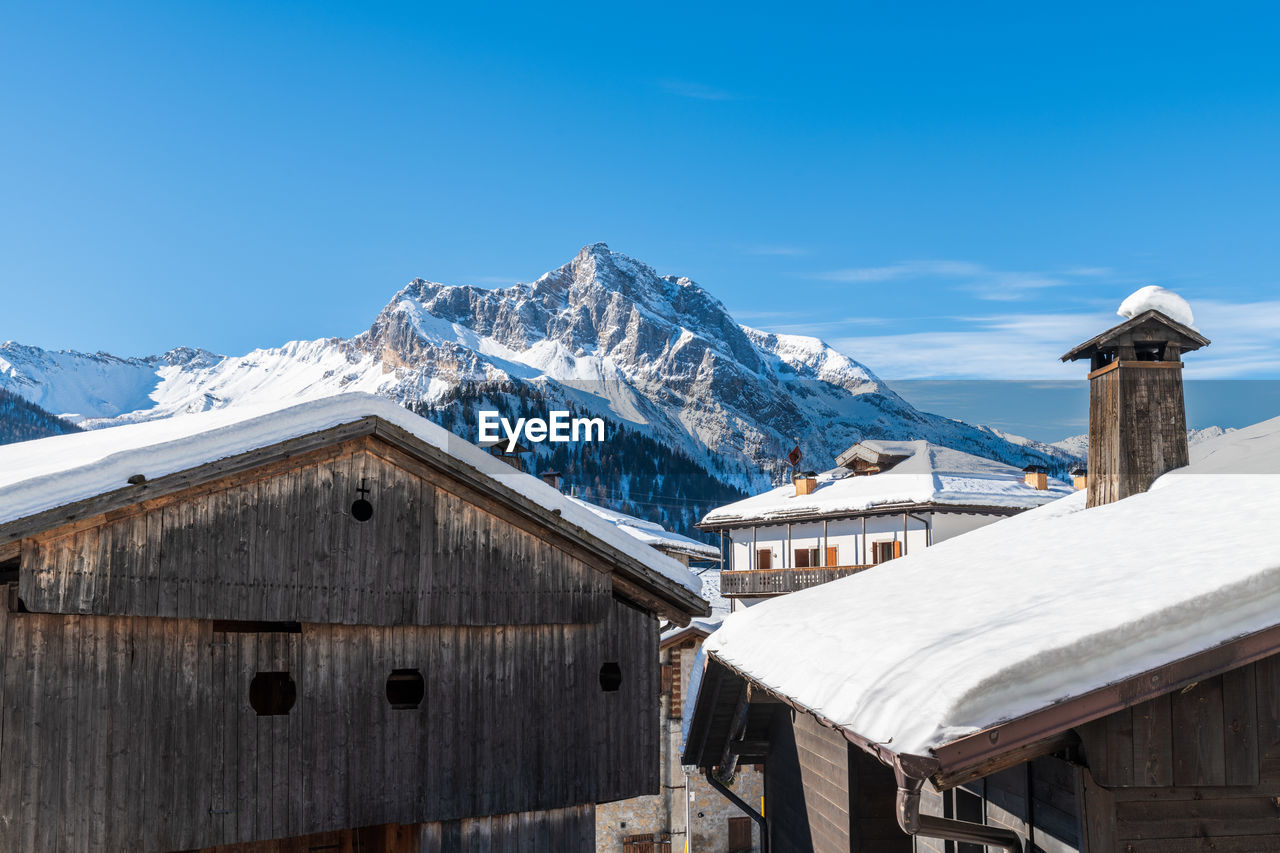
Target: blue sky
x=939, y=189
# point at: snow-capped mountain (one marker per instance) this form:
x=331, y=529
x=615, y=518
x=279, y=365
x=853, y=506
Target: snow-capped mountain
x=1078, y=445
x=656, y=355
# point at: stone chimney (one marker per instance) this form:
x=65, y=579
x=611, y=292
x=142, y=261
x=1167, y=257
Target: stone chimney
x=1137, y=416
x=805, y=482
x=551, y=478
x=1036, y=476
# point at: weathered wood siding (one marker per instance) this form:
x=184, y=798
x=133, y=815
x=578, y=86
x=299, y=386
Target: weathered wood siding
x=823, y=795
x=568, y=830
x=1039, y=800
x=1194, y=770
x=281, y=544
x=129, y=733
x=1137, y=428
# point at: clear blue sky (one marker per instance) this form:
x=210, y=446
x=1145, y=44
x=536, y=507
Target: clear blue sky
x=940, y=189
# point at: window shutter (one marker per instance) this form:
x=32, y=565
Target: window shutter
x=764, y=559
x=897, y=548
x=832, y=555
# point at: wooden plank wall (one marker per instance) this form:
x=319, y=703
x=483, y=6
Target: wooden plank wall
x=1104, y=438
x=1038, y=800
x=570, y=830
x=1137, y=428
x=136, y=734
x=284, y=546
x=1194, y=770
x=1153, y=426
x=825, y=796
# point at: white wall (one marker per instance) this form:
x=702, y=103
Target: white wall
x=844, y=534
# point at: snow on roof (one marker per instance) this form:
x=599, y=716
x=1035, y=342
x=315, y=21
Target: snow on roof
x=1035, y=609
x=651, y=533
x=930, y=475
x=51, y=472
x=1154, y=297
x=704, y=625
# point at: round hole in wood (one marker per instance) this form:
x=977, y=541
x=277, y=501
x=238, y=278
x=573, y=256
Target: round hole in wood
x=272, y=694
x=405, y=689
x=610, y=676
x=362, y=510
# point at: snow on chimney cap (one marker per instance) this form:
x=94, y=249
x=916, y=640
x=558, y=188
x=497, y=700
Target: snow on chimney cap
x=1154, y=297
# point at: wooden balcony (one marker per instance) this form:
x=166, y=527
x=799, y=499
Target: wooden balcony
x=761, y=582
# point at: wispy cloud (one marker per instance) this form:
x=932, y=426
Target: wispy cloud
x=978, y=279
x=697, y=91
x=1246, y=345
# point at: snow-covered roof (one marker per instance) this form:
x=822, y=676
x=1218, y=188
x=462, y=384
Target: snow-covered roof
x=51, y=472
x=652, y=534
x=704, y=625
x=1033, y=610
x=930, y=474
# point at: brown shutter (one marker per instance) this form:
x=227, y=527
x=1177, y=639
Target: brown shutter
x=764, y=559
x=833, y=555
x=665, y=685
x=739, y=835
x=897, y=548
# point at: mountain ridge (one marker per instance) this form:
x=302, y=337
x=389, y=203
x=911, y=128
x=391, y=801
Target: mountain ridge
x=604, y=333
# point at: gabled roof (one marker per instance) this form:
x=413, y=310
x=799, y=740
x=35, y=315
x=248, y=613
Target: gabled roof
x=978, y=645
x=50, y=481
x=1187, y=338
x=653, y=534
x=928, y=476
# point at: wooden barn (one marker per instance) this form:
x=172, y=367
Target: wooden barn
x=1100, y=674
x=329, y=627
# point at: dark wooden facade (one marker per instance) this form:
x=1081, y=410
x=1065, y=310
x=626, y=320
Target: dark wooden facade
x=139, y=630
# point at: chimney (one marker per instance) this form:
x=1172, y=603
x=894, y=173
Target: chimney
x=1036, y=477
x=1080, y=478
x=1137, y=416
x=551, y=478
x=806, y=482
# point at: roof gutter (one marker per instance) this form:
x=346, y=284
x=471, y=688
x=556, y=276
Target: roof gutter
x=911, y=772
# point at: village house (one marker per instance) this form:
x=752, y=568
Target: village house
x=884, y=499
x=333, y=626
x=1100, y=674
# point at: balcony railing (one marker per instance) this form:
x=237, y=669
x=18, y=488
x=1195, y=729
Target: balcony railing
x=780, y=581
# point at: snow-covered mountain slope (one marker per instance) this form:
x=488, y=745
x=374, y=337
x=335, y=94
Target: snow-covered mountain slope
x=1078, y=445
x=605, y=333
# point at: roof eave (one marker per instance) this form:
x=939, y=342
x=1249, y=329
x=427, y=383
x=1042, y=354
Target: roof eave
x=1084, y=349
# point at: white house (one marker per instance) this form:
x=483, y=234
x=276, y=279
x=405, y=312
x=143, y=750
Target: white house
x=885, y=499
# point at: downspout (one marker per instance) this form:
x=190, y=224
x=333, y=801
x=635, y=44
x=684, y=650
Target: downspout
x=746, y=809
x=688, y=831
x=910, y=781
x=928, y=532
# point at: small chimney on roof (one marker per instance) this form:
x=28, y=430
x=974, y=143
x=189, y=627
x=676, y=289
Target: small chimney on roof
x=1080, y=477
x=805, y=482
x=1036, y=476
x=1137, y=415
x=551, y=478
